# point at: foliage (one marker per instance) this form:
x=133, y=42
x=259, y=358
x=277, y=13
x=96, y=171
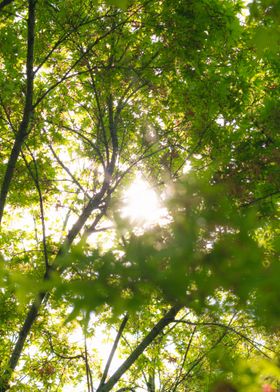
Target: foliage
x=93, y=94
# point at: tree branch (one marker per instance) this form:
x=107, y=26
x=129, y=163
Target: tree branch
x=59, y=161
x=228, y=328
x=88, y=371
x=260, y=199
x=68, y=357
x=85, y=138
x=177, y=380
x=156, y=330
x=100, y=114
x=73, y=66
x=35, y=178
x=115, y=345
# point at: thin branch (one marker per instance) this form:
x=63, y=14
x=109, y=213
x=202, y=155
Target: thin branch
x=113, y=133
x=229, y=328
x=73, y=66
x=260, y=198
x=35, y=178
x=100, y=114
x=9, y=121
x=199, y=359
x=59, y=161
x=68, y=357
x=85, y=138
x=63, y=38
x=123, y=101
x=114, y=348
x=133, y=164
x=176, y=383
x=87, y=366
x=56, y=45
x=193, y=150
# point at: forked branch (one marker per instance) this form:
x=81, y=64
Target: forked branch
x=149, y=338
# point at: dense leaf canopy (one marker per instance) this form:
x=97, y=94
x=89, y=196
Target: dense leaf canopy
x=183, y=95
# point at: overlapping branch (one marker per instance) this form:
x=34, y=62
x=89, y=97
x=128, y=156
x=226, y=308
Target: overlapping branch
x=155, y=331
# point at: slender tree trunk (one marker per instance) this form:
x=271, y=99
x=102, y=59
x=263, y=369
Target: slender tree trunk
x=27, y=112
x=30, y=318
x=114, y=348
x=34, y=309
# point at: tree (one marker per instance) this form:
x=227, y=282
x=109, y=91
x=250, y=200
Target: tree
x=93, y=93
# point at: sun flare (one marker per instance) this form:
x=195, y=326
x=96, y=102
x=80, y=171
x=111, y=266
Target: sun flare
x=142, y=205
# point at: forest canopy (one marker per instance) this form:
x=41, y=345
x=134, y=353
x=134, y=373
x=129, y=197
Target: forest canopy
x=139, y=199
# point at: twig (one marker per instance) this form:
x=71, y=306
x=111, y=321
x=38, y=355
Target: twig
x=68, y=357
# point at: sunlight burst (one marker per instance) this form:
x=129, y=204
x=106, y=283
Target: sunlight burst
x=142, y=205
